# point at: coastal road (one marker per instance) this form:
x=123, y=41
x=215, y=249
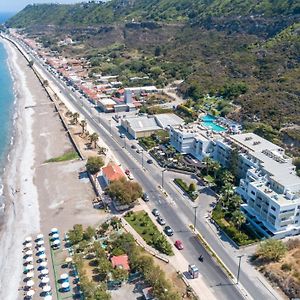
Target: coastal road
x=178, y=213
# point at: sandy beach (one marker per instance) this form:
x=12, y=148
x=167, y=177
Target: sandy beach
x=38, y=195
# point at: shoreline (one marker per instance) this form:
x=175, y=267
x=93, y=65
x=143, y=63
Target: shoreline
x=21, y=214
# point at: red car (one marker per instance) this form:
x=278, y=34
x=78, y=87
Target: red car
x=127, y=172
x=178, y=244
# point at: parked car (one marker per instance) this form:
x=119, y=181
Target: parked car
x=150, y=161
x=161, y=221
x=127, y=172
x=145, y=197
x=155, y=212
x=168, y=230
x=133, y=146
x=130, y=176
x=122, y=135
x=138, y=151
x=178, y=244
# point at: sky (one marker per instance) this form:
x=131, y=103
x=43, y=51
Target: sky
x=17, y=5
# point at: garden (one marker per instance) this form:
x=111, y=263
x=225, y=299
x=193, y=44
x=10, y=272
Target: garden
x=190, y=189
x=144, y=226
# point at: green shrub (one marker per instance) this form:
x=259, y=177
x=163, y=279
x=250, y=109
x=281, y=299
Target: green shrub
x=286, y=267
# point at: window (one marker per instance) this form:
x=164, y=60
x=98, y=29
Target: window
x=273, y=208
x=252, y=192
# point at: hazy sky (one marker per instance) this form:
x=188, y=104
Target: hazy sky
x=16, y=5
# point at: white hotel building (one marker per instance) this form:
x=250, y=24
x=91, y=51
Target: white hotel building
x=269, y=185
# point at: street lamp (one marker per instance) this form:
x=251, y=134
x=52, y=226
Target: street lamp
x=143, y=159
x=162, y=177
x=195, y=217
x=239, y=268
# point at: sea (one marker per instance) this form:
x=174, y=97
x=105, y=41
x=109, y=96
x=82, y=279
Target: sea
x=7, y=99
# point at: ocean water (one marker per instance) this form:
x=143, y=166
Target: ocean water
x=6, y=111
x=5, y=16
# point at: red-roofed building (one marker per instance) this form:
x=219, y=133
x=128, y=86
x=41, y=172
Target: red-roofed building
x=120, y=261
x=112, y=172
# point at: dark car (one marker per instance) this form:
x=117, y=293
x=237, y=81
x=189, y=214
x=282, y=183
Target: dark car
x=133, y=146
x=145, y=197
x=169, y=231
x=138, y=151
x=155, y=212
x=161, y=221
x=150, y=161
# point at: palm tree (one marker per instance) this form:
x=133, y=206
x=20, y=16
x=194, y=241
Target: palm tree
x=238, y=218
x=226, y=193
x=83, y=125
x=215, y=167
x=226, y=177
x=75, y=117
x=170, y=151
x=94, y=139
x=207, y=162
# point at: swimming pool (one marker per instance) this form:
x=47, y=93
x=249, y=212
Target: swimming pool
x=208, y=121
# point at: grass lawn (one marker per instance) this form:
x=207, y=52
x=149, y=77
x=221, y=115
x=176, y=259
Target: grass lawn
x=144, y=226
x=183, y=185
x=70, y=155
x=209, y=179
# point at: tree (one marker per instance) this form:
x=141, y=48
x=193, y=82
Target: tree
x=94, y=164
x=76, y=234
x=238, y=218
x=192, y=187
x=271, y=250
x=157, y=51
x=104, y=267
x=226, y=177
x=45, y=83
x=89, y=233
x=207, y=162
x=94, y=139
x=75, y=117
x=83, y=125
x=234, y=162
x=31, y=63
x=101, y=293
x=215, y=167
x=126, y=192
x=119, y=274
x=227, y=191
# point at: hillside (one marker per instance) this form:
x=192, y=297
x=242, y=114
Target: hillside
x=245, y=51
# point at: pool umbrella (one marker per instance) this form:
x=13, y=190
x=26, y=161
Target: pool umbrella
x=56, y=242
x=30, y=283
x=42, y=256
x=30, y=293
x=40, y=236
x=28, y=239
x=48, y=297
x=64, y=276
x=45, y=280
x=30, y=275
x=40, y=243
x=54, y=230
x=68, y=259
x=65, y=285
x=29, y=252
x=30, y=267
x=27, y=246
x=45, y=272
x=46, y=288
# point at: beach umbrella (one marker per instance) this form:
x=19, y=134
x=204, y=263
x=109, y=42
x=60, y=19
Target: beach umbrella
x=55, y=236
x=45, y=272
x=40, y=236
x=29, y=259
x=28, y=239
x=30, y=275
x=27, y=246
x=48, y=297
x=29, y=252
x=42, y=256
x=30, y=293
x=47, y=288
x=65, y=285
x=56, y=242
x=43, y=264
x=40, y=243
x=64, y=276
x=29, y=267
x=41, y=249
x=30, y=283
x=68, y=259
x=45, y=280
x=54, y=230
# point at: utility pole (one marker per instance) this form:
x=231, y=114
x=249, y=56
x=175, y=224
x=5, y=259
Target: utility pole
x=239, y=268
x=195, y=217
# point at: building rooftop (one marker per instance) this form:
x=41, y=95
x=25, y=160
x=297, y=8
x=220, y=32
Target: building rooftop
x=165, y=120
x=107, y=101
x=142, y=123
x=113, y=172
x=120, y=261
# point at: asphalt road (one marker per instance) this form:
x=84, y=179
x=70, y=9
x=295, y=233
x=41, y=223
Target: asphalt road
x=178, y=214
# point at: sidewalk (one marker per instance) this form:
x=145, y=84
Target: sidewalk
x=178, y=261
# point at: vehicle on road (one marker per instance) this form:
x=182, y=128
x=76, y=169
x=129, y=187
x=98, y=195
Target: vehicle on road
x=133, y=146
x=200, y=258
x=161, y=221
x=150, y=161
x=145, y=197
x=155, y=212
x=127, y=172
x=130, y=176
x=138, y=151
x=122, y=135
x=168, y=230
x=178, y=244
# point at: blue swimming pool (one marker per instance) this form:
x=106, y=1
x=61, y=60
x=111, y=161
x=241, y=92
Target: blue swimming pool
x=208, y=121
